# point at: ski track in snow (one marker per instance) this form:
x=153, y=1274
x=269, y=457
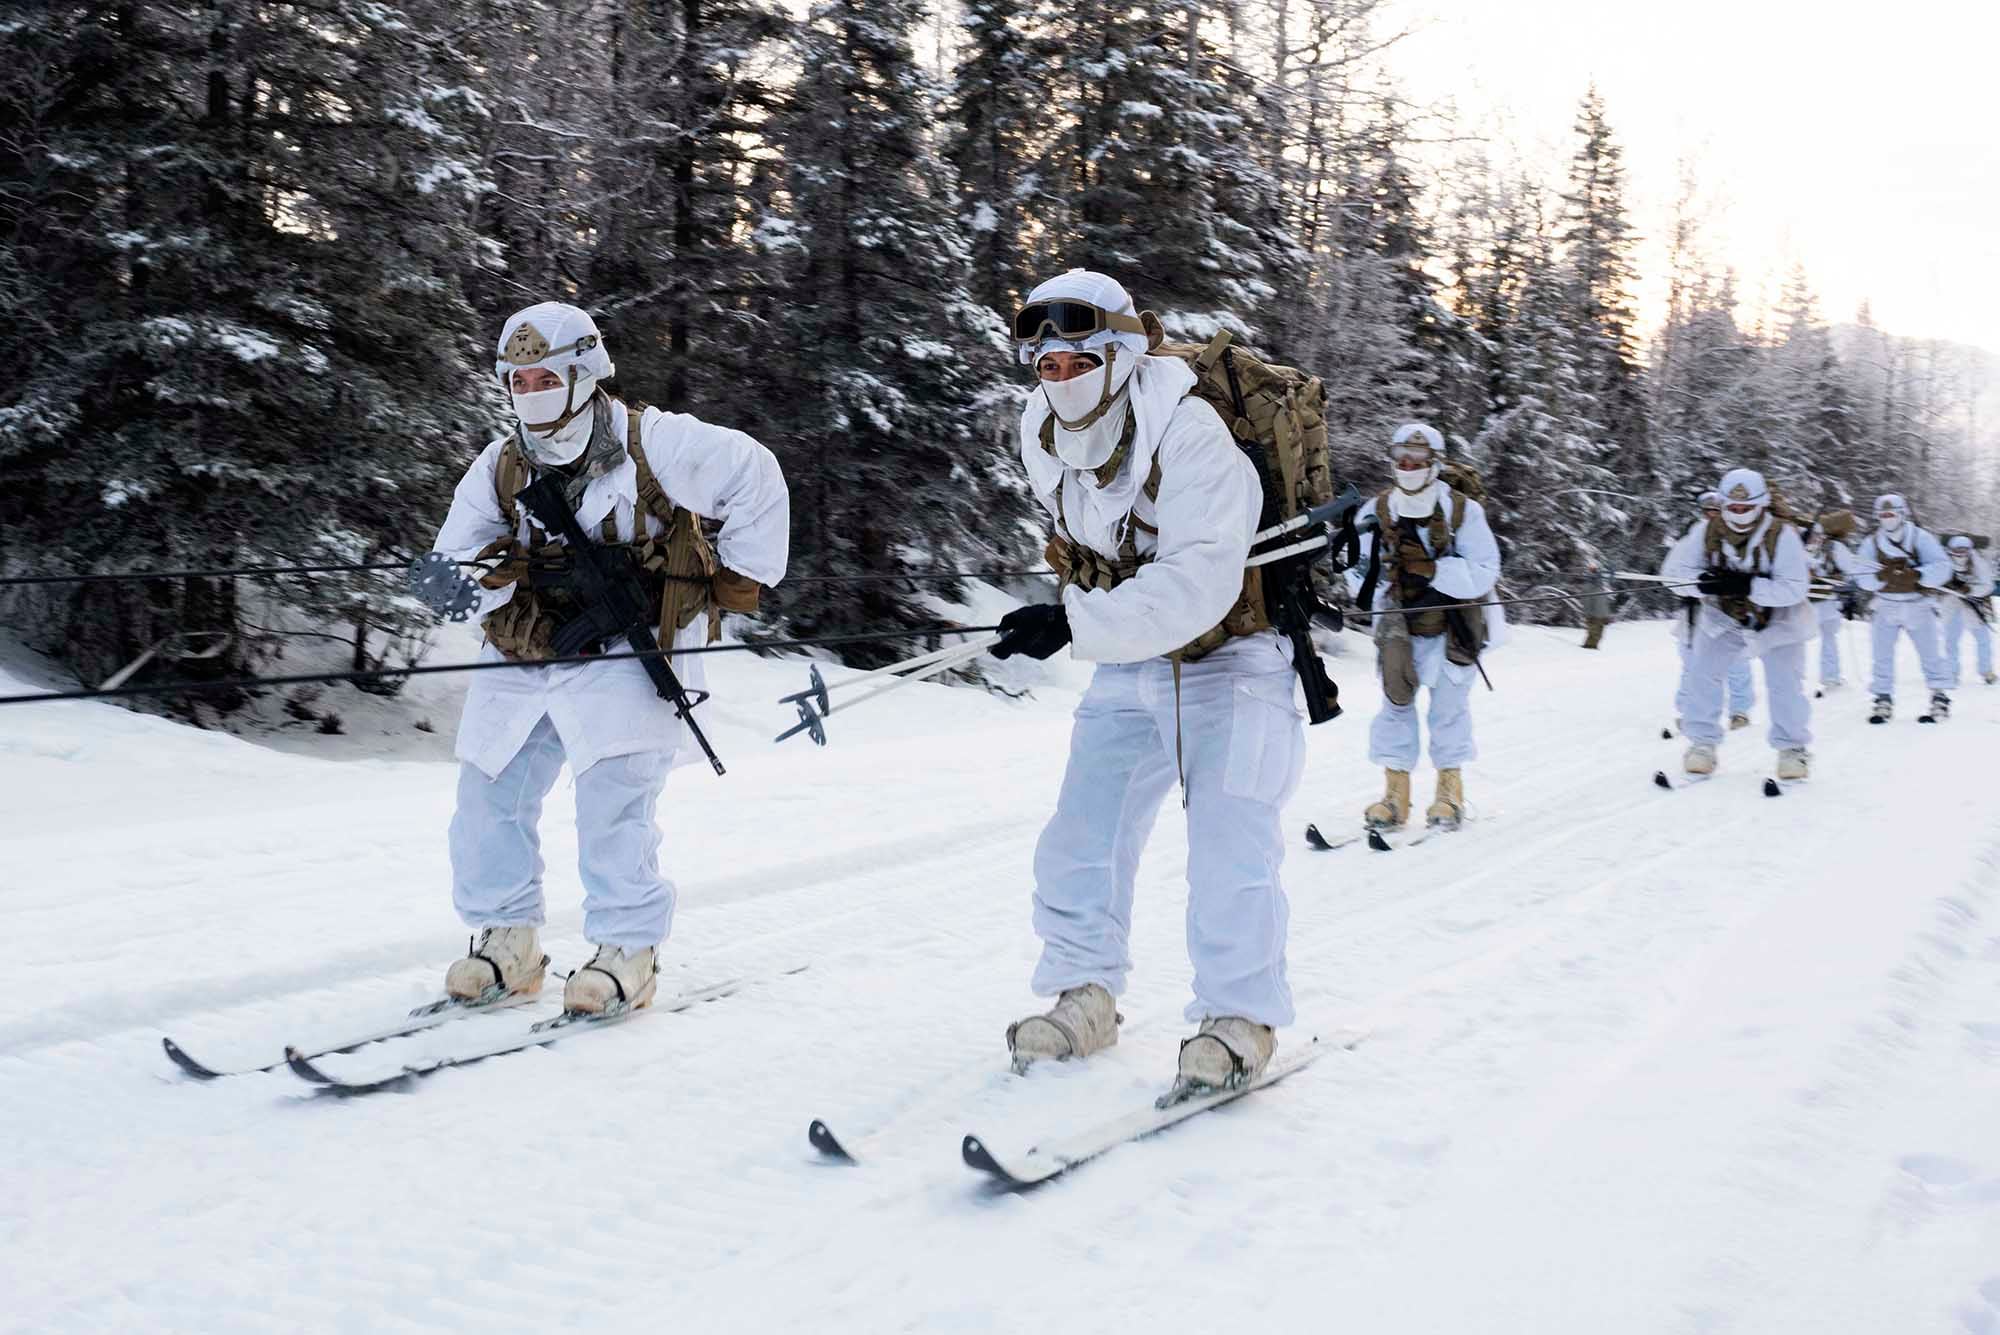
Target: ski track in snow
x=1637, y=1061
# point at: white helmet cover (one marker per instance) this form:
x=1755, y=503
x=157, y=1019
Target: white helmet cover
x=1710, y=500
x=1740, y=486
x=560, y=338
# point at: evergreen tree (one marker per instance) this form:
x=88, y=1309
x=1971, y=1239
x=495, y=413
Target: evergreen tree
x=890, y=371
x=236, y=231
x=997, y=119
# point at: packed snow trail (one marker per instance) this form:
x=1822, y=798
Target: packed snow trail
x=1637, y=1061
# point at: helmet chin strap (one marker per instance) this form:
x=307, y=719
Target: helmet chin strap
x=1104, y=400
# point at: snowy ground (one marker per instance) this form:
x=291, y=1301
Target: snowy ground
x=1638, y=1061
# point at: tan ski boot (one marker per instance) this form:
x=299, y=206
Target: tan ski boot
x=502, y=961
x=615, y=976
x=1226, y=1052
x=1738, y=722
x=1700, y=759
x=1083, y=1020
x=1793, y=763
x=1394, y=808
x=1448, y=809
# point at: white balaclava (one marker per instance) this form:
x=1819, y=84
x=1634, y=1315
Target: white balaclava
x=1891, y=513
x=1089, y=409
x=1415, y=495
x=558, y=337
x=1743, y=486
x=1961, y=553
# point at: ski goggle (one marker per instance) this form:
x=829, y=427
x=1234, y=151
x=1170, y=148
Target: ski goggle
x=1070, y=320
x=1744, y=507
x=1411, y=457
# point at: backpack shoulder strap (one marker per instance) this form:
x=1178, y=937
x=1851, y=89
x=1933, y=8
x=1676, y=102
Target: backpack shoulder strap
x=652, y=496
x=510, y=475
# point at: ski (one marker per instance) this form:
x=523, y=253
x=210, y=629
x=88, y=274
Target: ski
x=540, y=1034
x=442, y=1011
x=1321, y=844
x=1660, y=780
x=1047, y=1161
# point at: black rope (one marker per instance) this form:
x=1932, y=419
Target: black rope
x=359, y=567
x=305, y=678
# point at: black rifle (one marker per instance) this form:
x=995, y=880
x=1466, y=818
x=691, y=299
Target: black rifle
x=616, y=603
x=1288, y=593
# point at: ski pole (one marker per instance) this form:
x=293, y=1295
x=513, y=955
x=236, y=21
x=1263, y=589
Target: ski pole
x=962, y=654
x=809, y=721
x=905, y=665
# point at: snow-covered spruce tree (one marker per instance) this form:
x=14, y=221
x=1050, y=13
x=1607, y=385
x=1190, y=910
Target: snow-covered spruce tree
x=998, y=119
x=1598, y=241
x=1167, y=194
x=672, y=269
x=1541, y=451
x=892, y=379
x=233, y=232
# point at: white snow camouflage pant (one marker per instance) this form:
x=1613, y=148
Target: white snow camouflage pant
x=1958, y=618
x=1830, y=622
x=1784, y=685
x=496, y=847
x=1244, y=749
x=1917, y=616
x=1742, y=684
x=1394, y=741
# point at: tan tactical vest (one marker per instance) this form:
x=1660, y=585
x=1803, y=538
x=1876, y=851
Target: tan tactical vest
x=1443, y=532
x=1898, y=574
x=681, y=560
x=1741, y=610
x=1080, y=565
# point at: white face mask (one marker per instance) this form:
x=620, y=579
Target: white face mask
x=1742, y=523
x=1889, y=525
x=1074, y=400
x=565, y=443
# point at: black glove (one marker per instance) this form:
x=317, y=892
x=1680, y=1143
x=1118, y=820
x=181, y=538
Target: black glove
x=1850, y=604
x=1725, y=583
x=1036, y=630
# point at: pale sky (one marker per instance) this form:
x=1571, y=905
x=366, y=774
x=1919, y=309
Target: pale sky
x=1861, y=141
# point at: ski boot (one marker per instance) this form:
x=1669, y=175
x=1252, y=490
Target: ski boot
x=616, y=977
x=1700, y=759
x=1884, y=706
x=501, y=961
x=1394, y=808
x=1448, y=809
x=1793, y=763
x=1225, y=1052
x=1738, y=721
x=1989, y=678
x=1940, y=708
x=1083, y=1020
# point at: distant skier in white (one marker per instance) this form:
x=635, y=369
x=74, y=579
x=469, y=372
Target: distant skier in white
x=1430, y=547
x=1142, y=478
x=1831, y=565
x=1751, y=569
x=1905, y=568
x=1742, y=682
x=623, y=468
x=1966, y=607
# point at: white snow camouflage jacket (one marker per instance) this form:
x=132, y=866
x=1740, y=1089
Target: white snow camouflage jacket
x=1918, y=546
x=1781, y=588
x=1209, y=504
x=612, y=709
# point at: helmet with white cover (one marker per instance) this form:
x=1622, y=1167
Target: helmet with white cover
x=1891, y=513
x=1744, y=498
x=1092, y=314
x=562, y=339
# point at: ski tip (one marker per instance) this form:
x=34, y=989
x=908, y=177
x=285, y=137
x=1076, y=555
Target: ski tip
x=973, y=1150
x=1771, y=788
x=1377, y=842
x=1660, y=780
x=822, y=1138
x=1666, y=734
x=1314, y=839
x=303, y=1068
x=179, y=1057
